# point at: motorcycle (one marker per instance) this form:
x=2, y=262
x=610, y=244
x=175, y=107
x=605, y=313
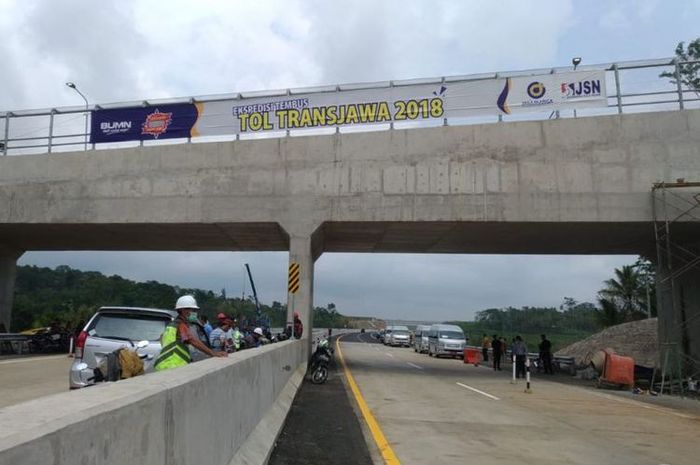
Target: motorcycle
x=320, y=361
x=49, y=342
x=110, y=368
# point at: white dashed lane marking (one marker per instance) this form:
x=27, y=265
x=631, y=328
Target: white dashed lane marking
x=478, y=391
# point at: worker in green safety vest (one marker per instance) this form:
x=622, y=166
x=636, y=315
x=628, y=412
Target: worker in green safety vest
x=174, y=340
x=237, y=336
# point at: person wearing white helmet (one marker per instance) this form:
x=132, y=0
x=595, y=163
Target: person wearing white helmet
x=256, y=338
x=177, y=336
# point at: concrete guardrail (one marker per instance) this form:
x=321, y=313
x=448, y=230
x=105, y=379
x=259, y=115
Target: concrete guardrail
x=214, y=412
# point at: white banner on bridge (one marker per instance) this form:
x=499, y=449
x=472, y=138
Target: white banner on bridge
x=505, y=96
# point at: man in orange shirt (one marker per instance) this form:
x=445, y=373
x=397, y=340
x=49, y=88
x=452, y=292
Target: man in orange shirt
x=485, y=346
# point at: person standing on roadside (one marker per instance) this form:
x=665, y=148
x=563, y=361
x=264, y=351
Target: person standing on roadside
x=496, y=346
x=237, y=336
x=255, y=338
x=219, y=336
x=177, y=336
x=520, y=352
x=485, y=344
x=196, y=329
x=546, y=355
x=206, y=325
x=298, y=326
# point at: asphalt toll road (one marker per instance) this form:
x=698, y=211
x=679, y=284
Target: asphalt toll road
x=443, y=411
x=27, y=378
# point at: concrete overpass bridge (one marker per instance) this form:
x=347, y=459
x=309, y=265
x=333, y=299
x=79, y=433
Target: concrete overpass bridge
x=569, y=186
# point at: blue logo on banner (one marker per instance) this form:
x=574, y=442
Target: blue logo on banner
x=143, y=123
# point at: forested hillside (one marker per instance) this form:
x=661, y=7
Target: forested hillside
x=69, y=297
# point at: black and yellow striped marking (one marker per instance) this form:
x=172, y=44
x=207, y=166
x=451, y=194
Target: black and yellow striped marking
x=294, y=271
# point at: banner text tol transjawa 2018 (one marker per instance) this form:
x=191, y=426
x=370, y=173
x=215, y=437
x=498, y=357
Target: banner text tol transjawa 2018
x=516, y=95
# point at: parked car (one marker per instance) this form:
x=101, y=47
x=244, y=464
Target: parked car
x=420, y=339
x=397, y=336
x=446, y=340
x=112, y=328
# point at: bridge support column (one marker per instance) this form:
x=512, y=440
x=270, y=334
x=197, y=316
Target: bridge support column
x=300, y=291
x=8, y=273
x=679, y=315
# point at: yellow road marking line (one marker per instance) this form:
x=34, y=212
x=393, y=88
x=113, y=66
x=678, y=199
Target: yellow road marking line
x=379, y=438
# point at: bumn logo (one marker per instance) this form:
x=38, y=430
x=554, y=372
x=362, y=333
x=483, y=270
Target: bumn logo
x=156, y=123
x=110, y=128
x=115, y=125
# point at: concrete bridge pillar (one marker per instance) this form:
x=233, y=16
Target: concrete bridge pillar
x=679, y=315
x=8, y=272
x=300, y=290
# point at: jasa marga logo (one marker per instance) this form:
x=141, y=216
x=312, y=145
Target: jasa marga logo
x=536, y=91
x=584, y=88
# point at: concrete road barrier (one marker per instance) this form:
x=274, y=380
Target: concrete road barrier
x=218, y=411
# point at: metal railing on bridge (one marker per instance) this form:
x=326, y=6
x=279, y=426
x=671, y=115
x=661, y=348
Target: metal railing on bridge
x=634, y=86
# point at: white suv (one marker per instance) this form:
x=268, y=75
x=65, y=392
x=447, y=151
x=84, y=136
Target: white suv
x=112, y=328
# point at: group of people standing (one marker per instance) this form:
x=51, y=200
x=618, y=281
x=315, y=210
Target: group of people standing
x=190, y=337
x=518, y=348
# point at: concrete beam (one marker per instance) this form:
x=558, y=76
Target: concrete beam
x=249, y=236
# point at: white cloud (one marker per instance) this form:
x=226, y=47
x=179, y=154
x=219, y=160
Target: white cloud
x=393, y=39
x=128, y=50
x=625, y=14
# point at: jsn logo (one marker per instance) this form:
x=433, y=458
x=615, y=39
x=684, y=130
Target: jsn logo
x=115, y=125
x=581, y=88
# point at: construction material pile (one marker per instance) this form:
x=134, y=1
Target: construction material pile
x=636, y=339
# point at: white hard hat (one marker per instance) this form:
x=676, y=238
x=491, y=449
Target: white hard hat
x=258, y=331
x=186, y=301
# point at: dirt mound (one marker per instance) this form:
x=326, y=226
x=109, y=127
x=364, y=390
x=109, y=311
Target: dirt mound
x=636, y=339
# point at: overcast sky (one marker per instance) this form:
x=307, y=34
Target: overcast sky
x=135, y=50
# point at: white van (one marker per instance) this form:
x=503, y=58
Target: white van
x=420, y=339
x=446, y=340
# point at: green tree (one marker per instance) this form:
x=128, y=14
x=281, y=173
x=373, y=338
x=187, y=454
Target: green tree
x=608, y=314
x=689, y=72
x=69, y=296
x=568, y=304
x=627, y=292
